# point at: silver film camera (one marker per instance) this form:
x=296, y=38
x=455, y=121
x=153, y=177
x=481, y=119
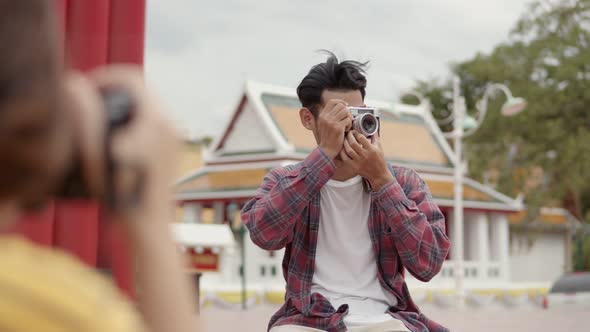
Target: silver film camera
x=366, y=120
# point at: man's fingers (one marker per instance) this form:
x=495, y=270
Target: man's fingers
x=334, y=105
x=345, y=123
x=344, y=156
x=349, y=121
x=339, y=111
x=376, y=141
x=349, y=150
x=362, y=140
x=348, y=124
x=354, y=143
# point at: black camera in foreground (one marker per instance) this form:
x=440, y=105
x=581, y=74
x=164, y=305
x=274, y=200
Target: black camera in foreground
x=119, y=108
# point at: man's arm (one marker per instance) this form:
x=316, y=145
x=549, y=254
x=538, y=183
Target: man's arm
x=417, y=225
x=271, y=215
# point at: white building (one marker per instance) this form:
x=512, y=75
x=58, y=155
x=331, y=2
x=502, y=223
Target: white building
x=265, y=132
x=209, y=248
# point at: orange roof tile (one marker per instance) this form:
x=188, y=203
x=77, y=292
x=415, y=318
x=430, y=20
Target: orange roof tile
x=404, y=139
x=444, y=189
x=224, y=180
x=549, y=218
x=215, y=181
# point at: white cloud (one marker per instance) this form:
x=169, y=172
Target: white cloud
x=199, y=54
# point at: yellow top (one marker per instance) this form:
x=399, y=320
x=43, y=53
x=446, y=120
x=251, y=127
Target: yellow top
x=49, y=291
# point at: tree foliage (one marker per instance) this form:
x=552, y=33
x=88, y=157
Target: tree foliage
x=546, y=60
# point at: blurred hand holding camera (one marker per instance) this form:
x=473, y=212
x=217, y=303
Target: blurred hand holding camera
x=143, y=149
x=366, y=157
x=142, y=153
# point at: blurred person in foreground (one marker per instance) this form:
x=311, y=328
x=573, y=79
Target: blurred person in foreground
x=349, y=221
x=49, y=119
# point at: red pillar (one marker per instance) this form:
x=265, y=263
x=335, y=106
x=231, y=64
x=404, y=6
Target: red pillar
x=93, y=33
x=87, y=33
x=76, y=229
x=125, y=45
x=87, y=24
x=127, y=30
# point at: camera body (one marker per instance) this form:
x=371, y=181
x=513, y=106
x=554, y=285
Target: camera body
x=119, y=110
x=366, y=120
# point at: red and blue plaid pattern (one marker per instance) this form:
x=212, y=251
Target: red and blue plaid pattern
x=406, y=228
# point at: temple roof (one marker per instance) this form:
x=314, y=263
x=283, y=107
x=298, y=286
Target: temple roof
x=266, y=125
x=547, y=218
x=236, y=181
x=265, y=132
x=229, y=182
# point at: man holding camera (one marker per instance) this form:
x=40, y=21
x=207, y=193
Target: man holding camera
x=349, y=222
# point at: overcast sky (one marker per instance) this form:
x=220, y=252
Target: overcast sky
x=200, y=53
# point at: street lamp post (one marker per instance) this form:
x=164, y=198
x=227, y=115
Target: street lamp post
x=458, y=113
x=463, y=126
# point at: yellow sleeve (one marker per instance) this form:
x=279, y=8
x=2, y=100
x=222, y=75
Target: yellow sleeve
x=48, y=290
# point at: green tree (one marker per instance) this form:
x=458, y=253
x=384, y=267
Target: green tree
x=547, y=61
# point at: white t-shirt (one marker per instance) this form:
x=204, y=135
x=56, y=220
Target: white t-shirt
x=345, y=263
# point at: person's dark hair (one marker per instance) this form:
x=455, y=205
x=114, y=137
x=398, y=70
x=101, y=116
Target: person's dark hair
x=30, y=71
x=331, y=75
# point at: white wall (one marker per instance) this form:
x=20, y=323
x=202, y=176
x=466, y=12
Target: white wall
x=543, y=261
x=248, y=133
x=258, y=259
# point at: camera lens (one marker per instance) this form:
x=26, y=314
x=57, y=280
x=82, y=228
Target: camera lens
x=369, y=124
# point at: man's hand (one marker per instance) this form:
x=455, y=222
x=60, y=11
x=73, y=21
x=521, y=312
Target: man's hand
x=332, y=122
x=367, y=159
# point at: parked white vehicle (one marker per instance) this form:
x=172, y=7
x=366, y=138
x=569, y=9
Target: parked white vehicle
x=571, y=291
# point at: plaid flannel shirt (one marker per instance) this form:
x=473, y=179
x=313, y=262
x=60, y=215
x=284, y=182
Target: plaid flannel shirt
x=406, y=229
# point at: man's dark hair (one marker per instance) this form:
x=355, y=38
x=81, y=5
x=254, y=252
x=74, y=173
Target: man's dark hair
x=331, y=75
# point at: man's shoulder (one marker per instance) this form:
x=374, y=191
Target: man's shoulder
x=284, y=170
x=407, y=177
x=404, y=173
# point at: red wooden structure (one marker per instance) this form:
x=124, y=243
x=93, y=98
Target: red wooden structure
x=94, y=33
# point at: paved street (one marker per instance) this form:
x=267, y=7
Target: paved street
x=500, y=320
